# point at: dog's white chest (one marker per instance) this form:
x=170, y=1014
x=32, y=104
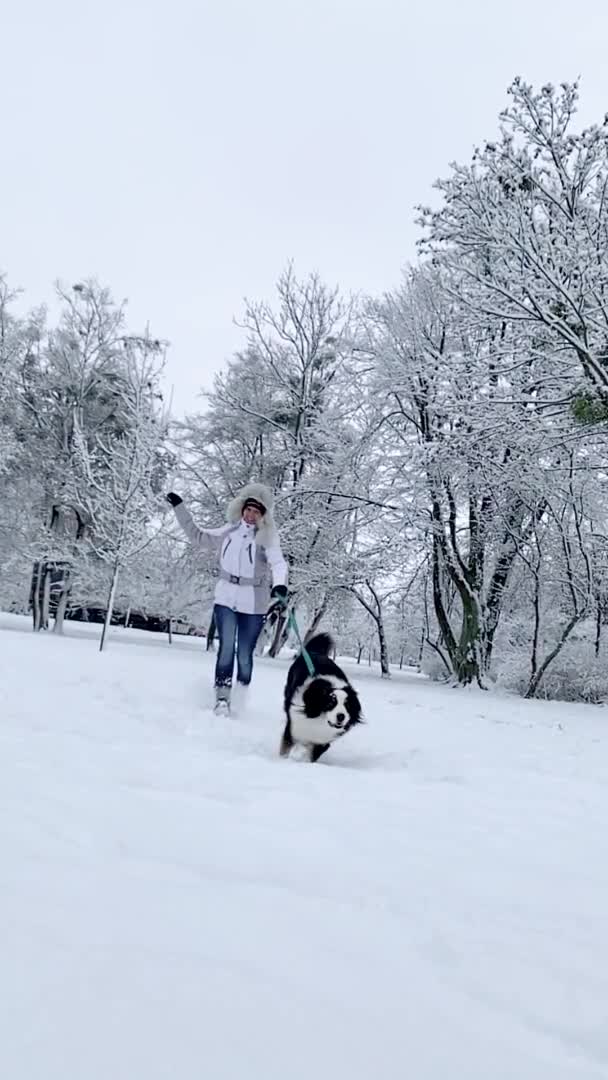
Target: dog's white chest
x=311, y=730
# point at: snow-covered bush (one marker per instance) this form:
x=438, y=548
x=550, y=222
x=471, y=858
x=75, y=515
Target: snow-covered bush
x=576, y=674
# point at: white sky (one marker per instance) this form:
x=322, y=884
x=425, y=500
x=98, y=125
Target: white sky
x=183, y=152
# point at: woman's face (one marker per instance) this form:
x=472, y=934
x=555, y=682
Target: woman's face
x=251, y=515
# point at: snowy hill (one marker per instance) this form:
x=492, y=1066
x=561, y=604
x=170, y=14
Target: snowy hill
x=428, y=902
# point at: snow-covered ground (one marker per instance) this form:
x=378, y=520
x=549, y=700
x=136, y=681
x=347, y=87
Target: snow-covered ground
x=430, y=901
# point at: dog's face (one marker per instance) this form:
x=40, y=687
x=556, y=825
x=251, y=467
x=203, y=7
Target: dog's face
x=333, y=703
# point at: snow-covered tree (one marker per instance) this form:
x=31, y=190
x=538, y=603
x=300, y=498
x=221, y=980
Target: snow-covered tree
x=288, y=410
x=458, y=406
x=118, y=480
x=72, y=393
x=171, y=586
x=524, y=226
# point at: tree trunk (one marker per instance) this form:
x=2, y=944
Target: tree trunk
x=260, y=644
x=537, y=679
x=128, y=617
x=359, y=654
x=211, y=629
x=449, y=671
x=465, y=652
x=598, y=627
x=279, y=636
x=41, y=595
x=468, y=659
x=42, y=592
x=384, y=664
x=62, y=605
x=376, y=614
x=421, y=647
x=110, y=607
x=316, y=619
x=46, y=598
x=441, y=615
x=536, y=634
x=35, y=596
x=170, y=630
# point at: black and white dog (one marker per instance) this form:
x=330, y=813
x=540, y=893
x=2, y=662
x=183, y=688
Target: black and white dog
x=319, y=708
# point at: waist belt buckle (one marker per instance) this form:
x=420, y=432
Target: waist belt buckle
x=235, y=579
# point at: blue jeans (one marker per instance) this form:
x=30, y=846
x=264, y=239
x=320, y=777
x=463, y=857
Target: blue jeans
x=237, y=632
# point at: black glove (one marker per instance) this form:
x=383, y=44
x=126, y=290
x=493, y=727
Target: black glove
x=278, y=601
x=174, y=499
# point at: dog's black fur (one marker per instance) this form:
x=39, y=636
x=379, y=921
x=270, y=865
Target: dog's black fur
x=315, y=709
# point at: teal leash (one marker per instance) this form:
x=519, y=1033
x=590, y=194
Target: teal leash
x=305, y=653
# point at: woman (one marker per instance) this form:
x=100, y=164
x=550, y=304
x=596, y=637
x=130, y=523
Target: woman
x=248, y=548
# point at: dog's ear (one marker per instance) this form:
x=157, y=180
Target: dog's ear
x=315, y=698
x=353, y=706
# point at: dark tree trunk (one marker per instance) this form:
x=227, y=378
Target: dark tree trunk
x=468, y=658
x=260, y=644
x=316, y=619
x=46, y=598
x=423, y=636
x=384, y=663
x=279, y=636
x=376, y=614
x=40, y=595
x=65, y=567
x=465, y=652
x=211, y=632
x=536, y=633
x=62, y=604
x=36, y=596
x=110, y=607
x=536, y=680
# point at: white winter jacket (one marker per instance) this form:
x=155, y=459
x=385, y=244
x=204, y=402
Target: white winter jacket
x=250, y=560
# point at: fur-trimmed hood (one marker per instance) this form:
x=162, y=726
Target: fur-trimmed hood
x=267, y=530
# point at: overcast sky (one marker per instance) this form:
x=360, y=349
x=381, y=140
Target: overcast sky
x=183, y=151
